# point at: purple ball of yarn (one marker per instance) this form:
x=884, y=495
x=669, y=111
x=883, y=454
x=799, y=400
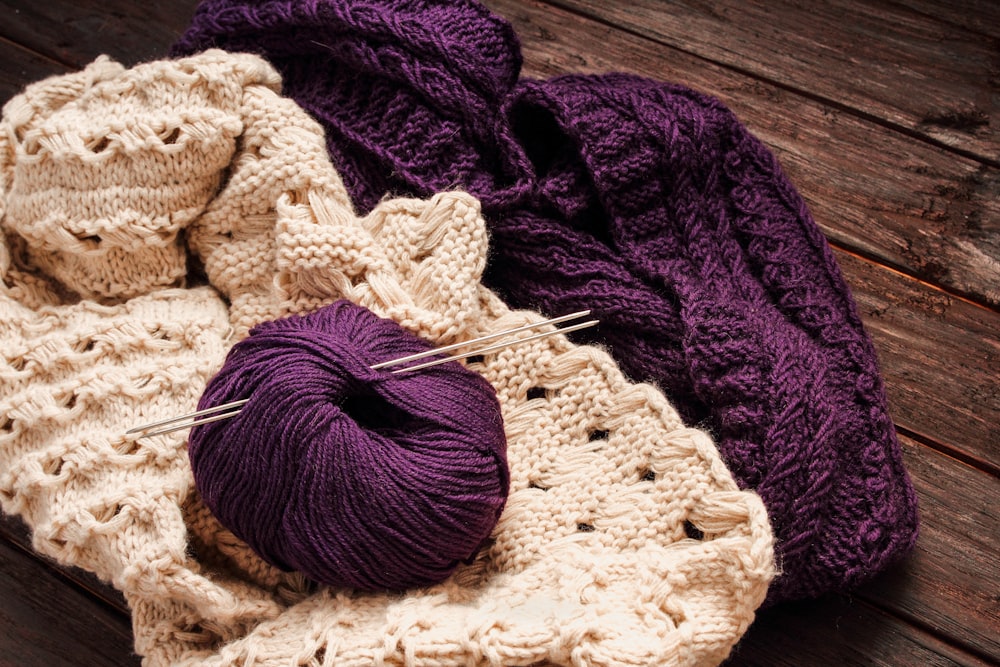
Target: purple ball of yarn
x=355, y=477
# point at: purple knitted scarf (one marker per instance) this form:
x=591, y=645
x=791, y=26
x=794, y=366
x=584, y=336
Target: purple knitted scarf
x=646, y=202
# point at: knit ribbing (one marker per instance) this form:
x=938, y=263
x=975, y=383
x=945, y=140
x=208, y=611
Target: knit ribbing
x=650, y=204
x=624, y=540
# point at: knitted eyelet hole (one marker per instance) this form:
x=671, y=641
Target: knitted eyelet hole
x=32, y=146
x=541, y=392
x=92, y=238
x=693, y=531
x=195, y=633
x=585, y=527
x=6, y=424
x=69, y=400
x=106, y=513
x=99, y=145
x=647, y=475
x=171, y=138
x=127, y=447
x=535, y=392
x=421, y=255
x=319, y=656
x=85, y=344
x=159, y=333
x=358, y=279
x=53, y=466
x=597, y=435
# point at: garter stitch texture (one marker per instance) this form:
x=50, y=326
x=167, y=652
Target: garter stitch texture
x=646, y=202
x=624, y=541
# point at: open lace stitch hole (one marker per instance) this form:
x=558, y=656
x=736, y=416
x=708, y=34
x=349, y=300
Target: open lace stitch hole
x=693, y=531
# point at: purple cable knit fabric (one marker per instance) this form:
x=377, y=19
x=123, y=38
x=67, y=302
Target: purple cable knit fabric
x=646, y=202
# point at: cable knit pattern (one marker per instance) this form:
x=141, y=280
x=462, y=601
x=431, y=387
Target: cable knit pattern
x=625, y=539
x=650, y=204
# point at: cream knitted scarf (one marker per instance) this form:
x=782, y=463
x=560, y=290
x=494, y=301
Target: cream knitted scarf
x=150, y=217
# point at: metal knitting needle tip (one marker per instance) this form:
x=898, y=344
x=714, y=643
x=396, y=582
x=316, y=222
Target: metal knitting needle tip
x=206, y=420
x=227, y=410
x=498, y=346
x=482, y=339
x=192, y=415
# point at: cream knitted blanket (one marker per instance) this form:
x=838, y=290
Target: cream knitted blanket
x=150, y=217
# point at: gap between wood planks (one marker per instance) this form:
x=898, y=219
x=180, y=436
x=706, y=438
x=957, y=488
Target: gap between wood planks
x=973, y=15
x=50, y=618
x=828, y=58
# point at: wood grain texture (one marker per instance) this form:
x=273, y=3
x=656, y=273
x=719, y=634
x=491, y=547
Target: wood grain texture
x=20, y=66
x=879, y=193
x=904, y=67
x=949, y=584
x=844, y=632
x=46, y=620
x=74, y=32
x=14, y=532
x=975, y=16
x=940, y=357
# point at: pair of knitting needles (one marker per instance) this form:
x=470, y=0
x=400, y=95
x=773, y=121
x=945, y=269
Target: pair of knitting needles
x=227, y=410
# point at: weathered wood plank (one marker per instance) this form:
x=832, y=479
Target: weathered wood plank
x=874, y=191
x=45, y=620
x=843, y=632
x=981, y=16
x=13, y=531
x=939, y=355
x=75, y=32
x=951, y=583
x=20, y=67
x=899, y=65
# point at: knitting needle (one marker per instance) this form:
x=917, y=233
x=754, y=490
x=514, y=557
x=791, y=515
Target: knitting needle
x=210, y=414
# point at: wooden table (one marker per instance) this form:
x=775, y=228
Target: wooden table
x=886, y=115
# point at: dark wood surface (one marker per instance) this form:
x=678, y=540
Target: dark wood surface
x=885, y=115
